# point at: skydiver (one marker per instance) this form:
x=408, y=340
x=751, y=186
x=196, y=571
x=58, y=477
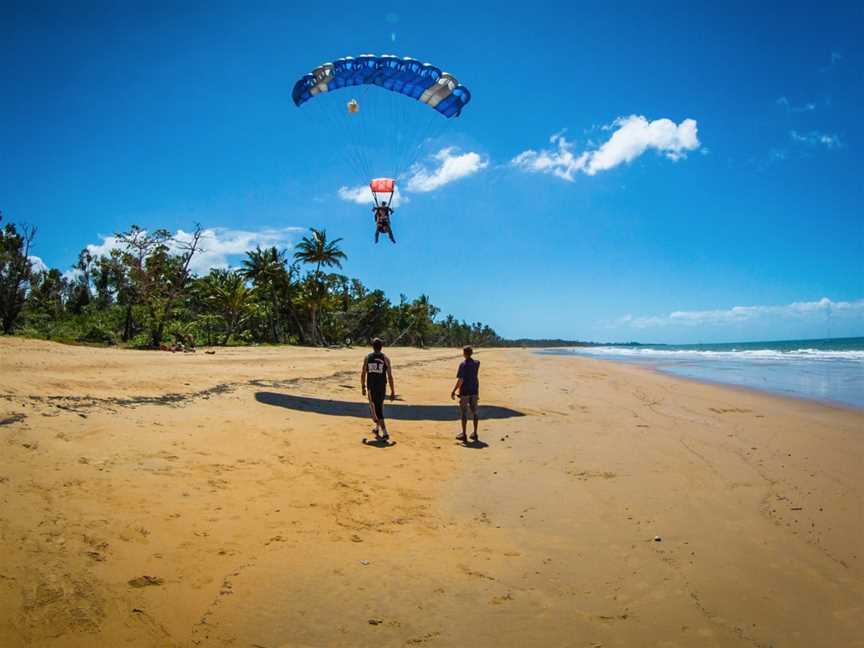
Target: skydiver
x=382, y=215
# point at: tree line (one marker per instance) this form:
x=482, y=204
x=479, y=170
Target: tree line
x=144, y=294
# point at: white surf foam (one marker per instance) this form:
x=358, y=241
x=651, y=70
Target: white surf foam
x=653, y=353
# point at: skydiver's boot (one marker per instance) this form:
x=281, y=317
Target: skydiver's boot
x=377, y=233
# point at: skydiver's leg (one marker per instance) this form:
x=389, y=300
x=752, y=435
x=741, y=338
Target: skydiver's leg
x=390, y=234
x=377, y=233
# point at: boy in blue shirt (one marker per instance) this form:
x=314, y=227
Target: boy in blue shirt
x=468, y=386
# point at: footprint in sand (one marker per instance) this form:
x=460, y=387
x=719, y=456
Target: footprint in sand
x=14, y=418
x=584, y=475
x=146, y=581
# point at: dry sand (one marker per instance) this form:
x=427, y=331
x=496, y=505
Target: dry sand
x=156, y=499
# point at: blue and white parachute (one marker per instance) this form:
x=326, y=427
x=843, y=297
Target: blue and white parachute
x=421, y=81
x=380, y=122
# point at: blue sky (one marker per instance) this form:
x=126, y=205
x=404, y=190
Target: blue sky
x=707, y=158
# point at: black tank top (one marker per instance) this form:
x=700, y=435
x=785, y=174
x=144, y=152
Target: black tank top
x=376, y=370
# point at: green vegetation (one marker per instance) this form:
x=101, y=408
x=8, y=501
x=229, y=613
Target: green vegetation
x=144, y=295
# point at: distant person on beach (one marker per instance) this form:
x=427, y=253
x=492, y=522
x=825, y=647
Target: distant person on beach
x=468, y=388
x=382, y=221
x=374, y=376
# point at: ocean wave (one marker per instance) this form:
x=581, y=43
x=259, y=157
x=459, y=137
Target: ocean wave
x=648, y=353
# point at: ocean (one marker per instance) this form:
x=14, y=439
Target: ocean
x=830, y=370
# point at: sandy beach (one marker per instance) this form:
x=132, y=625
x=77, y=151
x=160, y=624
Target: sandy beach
x=227, y=499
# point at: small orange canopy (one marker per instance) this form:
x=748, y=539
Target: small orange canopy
x=383, y=185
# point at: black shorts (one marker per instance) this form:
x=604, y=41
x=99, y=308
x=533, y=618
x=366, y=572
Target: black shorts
x=376, y=401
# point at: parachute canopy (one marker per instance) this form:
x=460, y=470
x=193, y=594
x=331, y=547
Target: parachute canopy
x=383, y=185
x=420, y=81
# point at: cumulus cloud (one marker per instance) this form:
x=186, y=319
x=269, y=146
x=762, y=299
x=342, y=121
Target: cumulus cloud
x=631, y=137
x=821, y=308
x=362, y=195
x=560, y=161
x=219, y=247
x=104, y=248
x=448, y=166
x=72, y=275
x=816, y=138
x=37, y=264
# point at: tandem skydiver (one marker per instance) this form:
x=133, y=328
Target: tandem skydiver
x=382, y=215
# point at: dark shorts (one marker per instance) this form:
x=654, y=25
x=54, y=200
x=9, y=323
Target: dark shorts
x=376, y=402
x=468, y=402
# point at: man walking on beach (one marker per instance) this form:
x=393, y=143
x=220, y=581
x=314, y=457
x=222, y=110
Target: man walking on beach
x=374, y=376
x=468, y=386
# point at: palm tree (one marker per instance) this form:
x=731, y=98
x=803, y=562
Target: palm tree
x=316, y=249
x=225, y=294
x=265, y=268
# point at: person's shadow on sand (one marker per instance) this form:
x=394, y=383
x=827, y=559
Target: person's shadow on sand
x=379, y=443
x=396, y=412
x=473, y=445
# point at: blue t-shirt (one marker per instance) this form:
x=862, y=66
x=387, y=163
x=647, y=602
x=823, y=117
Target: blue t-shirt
x=468, y=372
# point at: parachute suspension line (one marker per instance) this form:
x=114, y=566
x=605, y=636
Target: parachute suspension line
x=400, y=118
x=352, y=134
x=355, y=136
x=408, y=140
x=334, y=123
x=419, y=133
x=370, y=144
x=338, y=119
x=360, y=133
x=325, y=122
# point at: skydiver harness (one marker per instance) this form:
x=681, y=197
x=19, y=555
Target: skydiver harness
x=382, y=217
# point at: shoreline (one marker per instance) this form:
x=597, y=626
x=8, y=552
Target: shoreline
x=540, y=351
x=255, y=515
x=658, y=368
x=746, y=389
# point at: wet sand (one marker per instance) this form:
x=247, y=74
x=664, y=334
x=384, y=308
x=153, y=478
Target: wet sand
x=157, y=499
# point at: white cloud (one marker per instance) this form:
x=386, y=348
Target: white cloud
x=814, y=138
x=72, y=275
x=560, y=162
x=807, y=107
x=104, y=248
x=450, y=166
x=797, y=310
x=218, y=246
x=37, y=264
x=362, y=195
x=632, y=136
